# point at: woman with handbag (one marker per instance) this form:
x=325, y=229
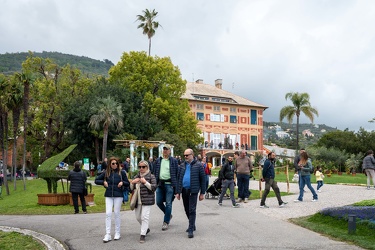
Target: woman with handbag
x=114, y=181
x=77, y=180
x=144, y=186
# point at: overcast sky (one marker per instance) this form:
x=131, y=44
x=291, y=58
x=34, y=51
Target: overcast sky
x=262, y=49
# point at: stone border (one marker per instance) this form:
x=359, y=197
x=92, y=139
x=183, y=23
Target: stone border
x=48, y=241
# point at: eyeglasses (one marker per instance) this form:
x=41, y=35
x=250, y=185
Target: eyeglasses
x=114, y=163
x=187, y=155
x=142, y=167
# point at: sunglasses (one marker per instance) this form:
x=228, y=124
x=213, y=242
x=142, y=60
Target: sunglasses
x=187, y=155
x=114, y=163
x=142, y=167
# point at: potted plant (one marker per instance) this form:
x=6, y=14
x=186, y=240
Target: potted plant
x=51, y=175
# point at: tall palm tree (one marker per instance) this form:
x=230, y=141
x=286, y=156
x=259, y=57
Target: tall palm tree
x=26, y=78
x=106, y=112
x=301, y=103
x=4, y=82
x=148, y=25
x=15, y=100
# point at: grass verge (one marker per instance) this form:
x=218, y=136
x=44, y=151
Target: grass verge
x=14, y=240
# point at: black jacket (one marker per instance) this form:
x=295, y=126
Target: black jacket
x=227, y=171
x=197, y=177
x=77, y=179
x=113, y=180
x=147, y=195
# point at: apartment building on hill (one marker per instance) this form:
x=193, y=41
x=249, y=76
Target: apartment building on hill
x=228, y=122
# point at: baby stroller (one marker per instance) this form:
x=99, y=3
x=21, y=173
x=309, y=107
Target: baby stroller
x=214, y=189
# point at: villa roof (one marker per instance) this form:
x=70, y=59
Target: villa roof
x=194, y=90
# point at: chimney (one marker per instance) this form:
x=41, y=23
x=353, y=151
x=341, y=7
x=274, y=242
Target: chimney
x=199, y=81
x=219, y=83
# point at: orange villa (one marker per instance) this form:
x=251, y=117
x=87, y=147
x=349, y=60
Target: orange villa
x=228, y=122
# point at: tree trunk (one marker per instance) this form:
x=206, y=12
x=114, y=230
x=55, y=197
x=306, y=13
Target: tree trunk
x=149, y=47
x=25, y=125
x=105, y=138
x=297, y=132
x=16, y=119
x=5, y=150
x=96, y=141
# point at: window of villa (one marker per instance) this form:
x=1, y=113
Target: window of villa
x=233, y=110
x=233, y=119
x=216, y=118
x=200, y=116
x=254, y=142
x=216, y=108
x=199, y=106
x=253, y=117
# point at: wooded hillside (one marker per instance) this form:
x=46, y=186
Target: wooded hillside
x=12, y=62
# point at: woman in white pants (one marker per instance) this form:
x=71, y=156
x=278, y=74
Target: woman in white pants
x=114, y=180
x=144, y=184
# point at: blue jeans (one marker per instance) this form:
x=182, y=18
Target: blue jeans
x=305, y=180
x=165, y=194
x=320, y=184
x=243, y=181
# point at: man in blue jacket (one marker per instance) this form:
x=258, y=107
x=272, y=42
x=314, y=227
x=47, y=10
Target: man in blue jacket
x=165, y=169
x=191, y=182
x=269, y=177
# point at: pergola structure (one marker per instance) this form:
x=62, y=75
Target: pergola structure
x=135, y=144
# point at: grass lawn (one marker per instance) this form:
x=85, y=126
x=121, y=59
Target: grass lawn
x=338, y=229
x=14, y=240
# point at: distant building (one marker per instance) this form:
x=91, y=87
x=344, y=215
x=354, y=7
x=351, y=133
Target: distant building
x=228, y=122
x=282, y=134
x=308, y=133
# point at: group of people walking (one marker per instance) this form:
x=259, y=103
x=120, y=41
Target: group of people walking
x=169, y=181
x=188, y=181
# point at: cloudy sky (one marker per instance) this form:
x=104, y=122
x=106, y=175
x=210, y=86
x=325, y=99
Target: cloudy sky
x=262, y=49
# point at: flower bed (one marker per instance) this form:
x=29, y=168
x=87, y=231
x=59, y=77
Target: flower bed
x=361, y=212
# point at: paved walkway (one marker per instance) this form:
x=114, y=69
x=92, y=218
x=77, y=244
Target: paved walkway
x=247, y=227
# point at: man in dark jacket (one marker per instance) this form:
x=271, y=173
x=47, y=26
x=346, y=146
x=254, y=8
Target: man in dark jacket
x=226, y=174
x=77, y=180
x=191, y=181
x=165, y=169
x=269, y=177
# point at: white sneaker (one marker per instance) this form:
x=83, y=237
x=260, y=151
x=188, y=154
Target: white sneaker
x=283, y=204
x=297, y=200
x=313, y=200
x=117, y=236
x=319, y=190
x=239, y=200
x=107, y=238
x=246, y=200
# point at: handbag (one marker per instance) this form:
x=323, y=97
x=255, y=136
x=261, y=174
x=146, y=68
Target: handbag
x=134, y=198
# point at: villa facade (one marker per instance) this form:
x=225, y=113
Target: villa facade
x=228, y=122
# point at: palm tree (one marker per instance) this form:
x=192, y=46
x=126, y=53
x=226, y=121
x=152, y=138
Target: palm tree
x=4, y=83
x=15, y=100
x=301, y=103
x=106, y=112
x=148, y=25
x=26, y=79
